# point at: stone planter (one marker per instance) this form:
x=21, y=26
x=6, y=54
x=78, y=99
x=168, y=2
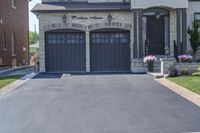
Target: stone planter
x=185, y=61
x=150, y=66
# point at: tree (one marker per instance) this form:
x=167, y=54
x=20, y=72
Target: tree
x=194, y=35
x=33, y=37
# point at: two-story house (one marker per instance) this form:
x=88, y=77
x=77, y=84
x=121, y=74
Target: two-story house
x=13, y=32
x=111, y=35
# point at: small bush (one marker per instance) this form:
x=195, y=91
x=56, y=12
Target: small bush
x=184, y=72
x=172, y=72
x=196, y=74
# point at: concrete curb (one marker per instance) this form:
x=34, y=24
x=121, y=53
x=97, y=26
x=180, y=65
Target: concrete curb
x=187, y=94
x=15, y=69
x=11, y=87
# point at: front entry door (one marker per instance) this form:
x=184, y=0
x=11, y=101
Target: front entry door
x=156, y=35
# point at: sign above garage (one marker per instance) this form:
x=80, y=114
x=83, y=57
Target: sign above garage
x=83, y=17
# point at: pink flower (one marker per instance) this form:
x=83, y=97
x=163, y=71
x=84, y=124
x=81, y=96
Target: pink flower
x=150, y=58
x=185, y=57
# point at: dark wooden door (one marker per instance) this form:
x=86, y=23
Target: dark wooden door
x=156, y=35
x=110, y=51
x=65, y=52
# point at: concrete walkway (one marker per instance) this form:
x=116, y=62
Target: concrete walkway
x=96, y=104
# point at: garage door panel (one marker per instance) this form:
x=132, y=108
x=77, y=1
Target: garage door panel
x=110, y=51
x=65, y=52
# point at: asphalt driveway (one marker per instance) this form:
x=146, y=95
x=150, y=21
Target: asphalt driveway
x=96, y=104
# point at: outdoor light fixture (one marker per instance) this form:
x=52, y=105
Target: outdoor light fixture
x=109, y=17
x=167, y=52
x=64, y=18
x=157, y=15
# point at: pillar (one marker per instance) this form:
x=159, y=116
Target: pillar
x=87, y=34
x=138, y=47
x=181, y=30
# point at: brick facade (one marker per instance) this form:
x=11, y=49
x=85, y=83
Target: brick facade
x=14, y=20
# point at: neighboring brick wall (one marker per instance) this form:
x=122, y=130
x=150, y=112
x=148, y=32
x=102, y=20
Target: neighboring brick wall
x=14, y=20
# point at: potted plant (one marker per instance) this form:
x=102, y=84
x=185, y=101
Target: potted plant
x=185, y=58
x=150, y=59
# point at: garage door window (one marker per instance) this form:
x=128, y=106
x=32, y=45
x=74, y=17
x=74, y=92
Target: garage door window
x=110, y=38
x=60, y=39
x=69, y=38
x=51, y=39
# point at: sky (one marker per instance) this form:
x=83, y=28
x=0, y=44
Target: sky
x=32, y=17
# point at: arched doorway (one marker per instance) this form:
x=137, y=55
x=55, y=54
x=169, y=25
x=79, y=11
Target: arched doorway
x=156, y=27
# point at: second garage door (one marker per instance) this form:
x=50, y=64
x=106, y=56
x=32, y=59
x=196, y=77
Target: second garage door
x=110, y=51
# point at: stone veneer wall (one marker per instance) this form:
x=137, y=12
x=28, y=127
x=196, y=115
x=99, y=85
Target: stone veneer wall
x=190, y=67
x=173, y=32
x=49, y=21
x=166, y=63
x=55, y=19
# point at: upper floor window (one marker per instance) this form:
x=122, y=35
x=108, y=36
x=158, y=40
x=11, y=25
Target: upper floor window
x=13, y=3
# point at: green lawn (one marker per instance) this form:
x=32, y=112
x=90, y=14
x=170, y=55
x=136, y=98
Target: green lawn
x=190, y=82
x=5, y=80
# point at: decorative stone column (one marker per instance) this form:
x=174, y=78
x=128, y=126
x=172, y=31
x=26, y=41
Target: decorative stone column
x=138, y=33
x=166, y=63
x=137, y=64
x=87, y=34
x=42, y=45
x=181, y=30
x=184, y=29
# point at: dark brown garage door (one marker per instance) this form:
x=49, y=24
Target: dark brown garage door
x=65, y=52
x=110, y=51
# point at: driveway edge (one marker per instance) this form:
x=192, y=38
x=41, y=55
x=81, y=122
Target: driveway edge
x=11, y=87
x=187, y=94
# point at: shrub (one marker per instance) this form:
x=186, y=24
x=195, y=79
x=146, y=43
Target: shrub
x=172, y=71
x=184, y=71
x=194, y=35
x=196, y=74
